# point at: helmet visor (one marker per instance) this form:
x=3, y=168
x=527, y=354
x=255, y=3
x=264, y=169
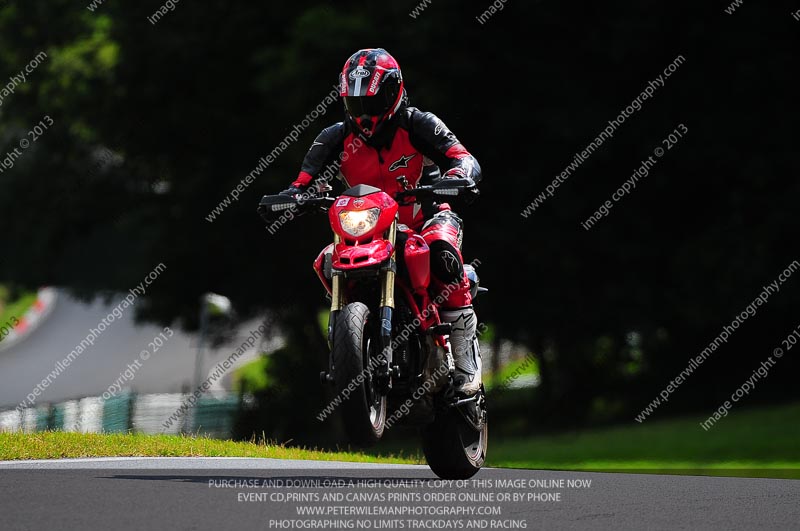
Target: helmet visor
x=366, y=105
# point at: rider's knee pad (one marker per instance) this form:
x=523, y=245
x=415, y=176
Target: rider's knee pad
x=446, y=263
x=444, y=226
x=444, y=234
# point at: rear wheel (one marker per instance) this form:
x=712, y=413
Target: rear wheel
x=453, y=447
x=355, y=343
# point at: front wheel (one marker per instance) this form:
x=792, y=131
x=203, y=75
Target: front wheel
x=354, y=345
x=453, y=448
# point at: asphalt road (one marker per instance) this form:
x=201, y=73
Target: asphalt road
x=186, y=493
x=169, y=370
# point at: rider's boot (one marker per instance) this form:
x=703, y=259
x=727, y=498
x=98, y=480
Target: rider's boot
x=466, y=351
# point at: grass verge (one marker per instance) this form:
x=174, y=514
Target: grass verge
x=58, y=445
x=510, y=373
x=759, y=442
x=16, y=308
x=252, y=377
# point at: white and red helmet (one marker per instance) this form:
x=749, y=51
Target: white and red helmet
x=371, y=86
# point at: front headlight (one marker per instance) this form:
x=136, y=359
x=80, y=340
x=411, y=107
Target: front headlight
x=359, y=222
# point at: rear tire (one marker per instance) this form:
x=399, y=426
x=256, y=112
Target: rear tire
x=452, y=447
x=354, y=344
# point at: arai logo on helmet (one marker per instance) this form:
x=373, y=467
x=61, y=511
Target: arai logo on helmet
x=359, y=72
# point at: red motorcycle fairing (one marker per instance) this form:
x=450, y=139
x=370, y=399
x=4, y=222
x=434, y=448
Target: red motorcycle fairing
x=368, y=249
x=374, y=253
x=414, y=287
x=416, y=256
x=423, y=309
x=381, y=202
x=319, y=264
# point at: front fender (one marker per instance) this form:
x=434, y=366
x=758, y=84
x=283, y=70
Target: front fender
x=372, y=254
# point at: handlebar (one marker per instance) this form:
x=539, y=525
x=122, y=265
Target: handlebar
x=441, y=190
x=272, y=207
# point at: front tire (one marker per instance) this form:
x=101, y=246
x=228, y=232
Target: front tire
x=452, y=447
x=354, y=344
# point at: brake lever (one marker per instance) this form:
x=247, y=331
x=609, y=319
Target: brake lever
x=413, y=192
x=319, y=203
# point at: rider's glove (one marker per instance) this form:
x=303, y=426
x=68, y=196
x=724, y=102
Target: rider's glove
x=293, y=191
x=455, y=173
x=471, y=193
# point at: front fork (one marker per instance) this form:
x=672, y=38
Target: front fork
x=387, y=278
x=387, y=309
x=337, y=303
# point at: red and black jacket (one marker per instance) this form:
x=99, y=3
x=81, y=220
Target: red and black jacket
x=413, y=145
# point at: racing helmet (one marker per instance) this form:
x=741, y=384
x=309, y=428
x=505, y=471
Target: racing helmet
x=371, y=86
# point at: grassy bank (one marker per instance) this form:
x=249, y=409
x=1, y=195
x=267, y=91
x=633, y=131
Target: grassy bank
x=758, y=442
x=57, y=445
x=252, y=377
x=14, y=308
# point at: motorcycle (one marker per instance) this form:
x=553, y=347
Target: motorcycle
x=389, y=350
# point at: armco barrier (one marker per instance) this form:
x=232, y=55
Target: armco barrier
x=213, y=415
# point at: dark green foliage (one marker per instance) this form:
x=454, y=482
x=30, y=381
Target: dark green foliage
x=190, y=104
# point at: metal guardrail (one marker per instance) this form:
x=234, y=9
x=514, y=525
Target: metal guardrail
x=213, y=415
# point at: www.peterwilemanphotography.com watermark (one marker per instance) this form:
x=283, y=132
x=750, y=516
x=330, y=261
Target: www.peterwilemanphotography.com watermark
x=722, y=338
x=401, y=337
x=94, y=334
x=19, y=79
x=758, y=375
x=265, y=161
x=580, y=157
x=641, y=172
x=218, y=372
x=321, y=183
x=127, y=376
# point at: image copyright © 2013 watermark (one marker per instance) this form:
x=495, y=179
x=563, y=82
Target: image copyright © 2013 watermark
x=759, y=374
x=129, y=373
x=401, y=336
x=320, y=184
x=722, y=338
x=613, y=125
x=639, y=173
x=5, y=328
x=26, y=142
x=60, y=366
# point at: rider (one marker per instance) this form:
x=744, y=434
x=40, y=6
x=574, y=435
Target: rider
x=383, y=139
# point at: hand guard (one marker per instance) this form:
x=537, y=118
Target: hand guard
x=471, y=191
x=293, y=191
